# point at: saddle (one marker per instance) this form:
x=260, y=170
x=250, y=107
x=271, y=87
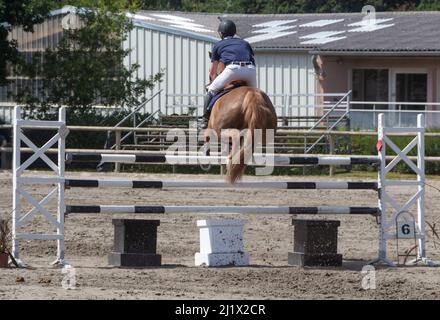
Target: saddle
x=226, y=90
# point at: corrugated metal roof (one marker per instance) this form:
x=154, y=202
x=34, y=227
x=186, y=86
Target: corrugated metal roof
x=389, y=32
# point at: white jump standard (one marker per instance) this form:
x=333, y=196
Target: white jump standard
x=18, y=168
x=387, y=230
x=387, y=210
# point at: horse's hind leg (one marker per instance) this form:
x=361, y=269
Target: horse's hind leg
x=206, y=148
x=224, y=152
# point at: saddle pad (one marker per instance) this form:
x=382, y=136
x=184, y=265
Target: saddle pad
x=216, y=97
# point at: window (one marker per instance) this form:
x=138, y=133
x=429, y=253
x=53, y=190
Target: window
x=411, y=87
x=370, y=85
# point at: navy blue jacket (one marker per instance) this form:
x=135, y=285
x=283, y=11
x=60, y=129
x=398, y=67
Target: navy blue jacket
x=231, y=49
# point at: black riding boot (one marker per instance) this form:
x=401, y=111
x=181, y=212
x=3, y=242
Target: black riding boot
x=206, y=112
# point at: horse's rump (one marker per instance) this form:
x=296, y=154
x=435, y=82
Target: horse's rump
x=243, y=108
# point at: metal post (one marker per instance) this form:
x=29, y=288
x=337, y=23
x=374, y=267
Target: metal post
x=421, y=186
x=382, y=254
x=374, y=116
x=400, y=115
x=117, y=147
x=331, y=141
x=61, y=173
x=134, y=127
x=348, y=128
x=16, y=156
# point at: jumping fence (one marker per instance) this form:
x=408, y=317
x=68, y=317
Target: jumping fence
x=387, y=210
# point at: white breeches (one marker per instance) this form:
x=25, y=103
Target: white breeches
x=232, y=73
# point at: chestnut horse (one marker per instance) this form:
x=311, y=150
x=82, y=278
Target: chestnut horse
x=241, y=108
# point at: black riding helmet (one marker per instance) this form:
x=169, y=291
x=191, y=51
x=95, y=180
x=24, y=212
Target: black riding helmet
x=227, y=28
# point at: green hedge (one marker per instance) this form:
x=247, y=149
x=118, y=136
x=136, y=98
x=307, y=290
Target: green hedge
x=366, y=145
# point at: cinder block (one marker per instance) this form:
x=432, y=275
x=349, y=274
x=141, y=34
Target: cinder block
x=135, y=243
x=315, y=243
x=221, y=243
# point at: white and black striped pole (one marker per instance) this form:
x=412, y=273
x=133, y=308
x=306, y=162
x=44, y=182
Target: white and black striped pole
x=222, y=209
x=163, y=184
x=174, y=159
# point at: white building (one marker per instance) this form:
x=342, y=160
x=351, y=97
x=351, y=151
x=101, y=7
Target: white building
x=179, y=43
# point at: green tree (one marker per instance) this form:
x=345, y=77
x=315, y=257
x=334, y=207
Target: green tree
x=246, y=6
x=429, y=5
x=334, y=6
x=161, y=4
x=282, y=6
x=87, y=66
x=23, y=13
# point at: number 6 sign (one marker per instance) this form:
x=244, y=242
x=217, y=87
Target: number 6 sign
x=405, y=229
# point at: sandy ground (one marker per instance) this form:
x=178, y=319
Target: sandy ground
x=268, y=239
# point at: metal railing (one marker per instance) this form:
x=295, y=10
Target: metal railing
x=301, y=110
x=363, y=114
x=132, y=115
x=329, y=125
x=297, y=110
x=181, y=106
x=6, y=110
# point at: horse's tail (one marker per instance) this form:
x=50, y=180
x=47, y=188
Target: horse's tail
x=256, y=112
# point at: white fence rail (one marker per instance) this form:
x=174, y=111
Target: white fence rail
x=298, y=107
x=7, y=109
x=363, y=114
x=299, y=110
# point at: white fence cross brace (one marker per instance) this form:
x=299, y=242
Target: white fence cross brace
x=38, y=207
x=38, y=152
x=401, y=155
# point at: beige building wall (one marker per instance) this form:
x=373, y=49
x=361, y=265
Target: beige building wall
x=338, y=71
x=338, y=75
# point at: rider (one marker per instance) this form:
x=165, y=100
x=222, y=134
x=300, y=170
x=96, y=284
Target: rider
x=237, y=56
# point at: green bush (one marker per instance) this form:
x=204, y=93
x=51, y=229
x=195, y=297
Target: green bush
x=366, y=145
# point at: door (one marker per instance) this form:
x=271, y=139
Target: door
x=410, y=85
x=370, y=93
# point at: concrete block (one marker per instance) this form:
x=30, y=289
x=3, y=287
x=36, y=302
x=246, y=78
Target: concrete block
x=221, y=243
x=315, y=243
x=135, y=243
